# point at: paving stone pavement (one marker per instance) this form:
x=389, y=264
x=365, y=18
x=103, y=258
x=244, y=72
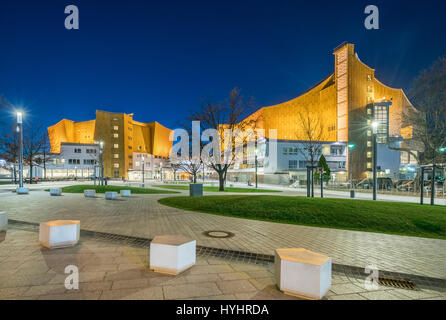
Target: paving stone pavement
x=110, y=271
x=142, y=216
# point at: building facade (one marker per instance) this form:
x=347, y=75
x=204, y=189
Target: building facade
x=341, y=110
x=120, y=137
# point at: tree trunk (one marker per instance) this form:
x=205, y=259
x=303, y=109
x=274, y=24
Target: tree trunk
x=195, y=178
x=30, y=173
x=221, y=181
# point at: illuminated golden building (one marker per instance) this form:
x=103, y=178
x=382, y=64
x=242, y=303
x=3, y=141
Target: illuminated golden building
x=121, y=136
x=344, y=104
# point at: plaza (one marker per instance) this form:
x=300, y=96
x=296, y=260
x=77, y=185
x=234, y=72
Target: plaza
x=112, y=255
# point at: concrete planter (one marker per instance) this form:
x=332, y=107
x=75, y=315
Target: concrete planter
x=22, y=190
x=90, y=193
x=196, y=189
x=3, y=220
x=302, y=273
x=125, y=193
x=172, y=254
x=59, y=233
x=111, y=195
x=56, y=192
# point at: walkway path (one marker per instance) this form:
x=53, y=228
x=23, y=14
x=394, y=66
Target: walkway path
x=143, y=216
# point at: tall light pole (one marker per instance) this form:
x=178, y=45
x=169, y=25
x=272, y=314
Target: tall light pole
x=101, y=155
x=143, y=171
x=375, y=160
x=256, y=151
x=351, y=146
x=20, y=131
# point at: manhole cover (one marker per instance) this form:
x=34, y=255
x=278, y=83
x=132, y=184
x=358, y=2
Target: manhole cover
x=218, y=234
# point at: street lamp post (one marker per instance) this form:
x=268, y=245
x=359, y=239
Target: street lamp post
x=321, y=170
x=375, y=160
x=351, y=146
x=101, y=155
x=256, y=167
x=20, y=131
x=143, y=171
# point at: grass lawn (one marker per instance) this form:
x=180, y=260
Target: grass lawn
x=103, y=189
x=361, y=215
x=215, y=189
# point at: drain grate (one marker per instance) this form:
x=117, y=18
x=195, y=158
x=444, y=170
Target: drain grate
x=397, y=283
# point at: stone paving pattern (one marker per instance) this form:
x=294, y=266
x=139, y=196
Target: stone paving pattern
x=142, y=216
x=110, y=270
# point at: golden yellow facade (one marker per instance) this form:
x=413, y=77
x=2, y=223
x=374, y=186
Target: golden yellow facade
x=121, y=137
x=340, y=102
x=70, y=131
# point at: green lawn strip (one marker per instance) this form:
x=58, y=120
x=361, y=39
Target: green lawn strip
x=215, y=189
x=361, y=215
x=103, y=189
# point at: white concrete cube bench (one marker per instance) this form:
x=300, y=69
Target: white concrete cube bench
x=172, y=254
x=90, y=193
x=125, y=193
x=302, y=273
x=22, y=190
x=3, y=220
x=55, y=192
x=59, y=233
x=111, y=195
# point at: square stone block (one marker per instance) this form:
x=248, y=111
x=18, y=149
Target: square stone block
x=22, y=190
x=55, y=192
x=111, y=195
x=125, y=193
x=90, y=193
x=3, y=220
x=59, y=233
x=196, y=189
x=172, y=254
x=302, y=273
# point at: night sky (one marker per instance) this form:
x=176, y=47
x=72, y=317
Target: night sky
x=159, y=59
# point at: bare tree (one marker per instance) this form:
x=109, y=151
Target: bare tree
x=229, y=116
x=9, y=149
x=312, y=133
x=191, y=166
x=428, y=120
x=175, y=168
x=33, y=142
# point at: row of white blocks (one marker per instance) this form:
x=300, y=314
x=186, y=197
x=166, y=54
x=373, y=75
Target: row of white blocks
x=109, y=195
x=299, y=272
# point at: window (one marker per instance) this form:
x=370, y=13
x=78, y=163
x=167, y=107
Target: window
x=115, y=135
x=369, y=89
x=115, y=127
x=369, y=165
x=74, y=161
x=285, y=151
x=369, y=77
x=116, y=165
x=369, y=144
x=116, y=146
x=89, y=161
x=369, y=99
x=369, y=133
x=369, y=154
x=341, y=164
x=116, y=156
x=336, y=150
x=292, y=164
x=369, y=110
x=77, y=150
x=137, y=163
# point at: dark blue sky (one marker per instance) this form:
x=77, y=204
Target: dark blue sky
x=159, y=59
